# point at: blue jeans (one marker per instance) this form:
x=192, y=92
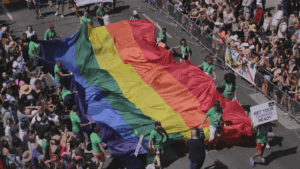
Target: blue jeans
x=34, y=60
x=195, y=165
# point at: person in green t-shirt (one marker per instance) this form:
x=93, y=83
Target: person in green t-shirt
x=261, y=140
x=97, y=148
x=135, y=16
x=46, y=145
x=230, y=86
x=208, y=67
x=77, y=125
x=152, y=157
x=185, y=50
x=156, y=139
x=50, y=33
x=58, y=77
x=34, y=50
x=68, y=99
x=86, y=18
x=100, y=13
x=215, y=128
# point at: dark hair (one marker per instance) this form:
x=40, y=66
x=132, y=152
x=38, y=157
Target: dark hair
x=5, y=104
x=229, y=76
x=46, y=135
x=97, y=129
x=279, y=6
x=34, y=38
x=30, y=27
x=21, y=107
x=16, y=142
x=24, y=35
x=164, y=29
x=182, y=40
x=157, y=123
x=23, y=125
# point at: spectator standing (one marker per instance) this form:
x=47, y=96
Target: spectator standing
x=278, y=15
x=100, y=13
x=267, y=23
x=215, y=118
x=12, y=158
x=62, y=3
x=196, y=150
x=24, y=45
x=135, y=16
x=29, y=31
x=261, y=140
x=237, y=6
x=247, y=5
x=34, y=50
x=86, y=18
x=97, y=147
x=37, y=4
x=282, y=29
x=259, y=16
x=5, y=112
x=50, y=32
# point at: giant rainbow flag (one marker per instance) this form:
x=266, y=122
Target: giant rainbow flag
x=126, y=82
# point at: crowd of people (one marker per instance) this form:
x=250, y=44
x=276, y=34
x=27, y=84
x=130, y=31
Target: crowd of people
x=43, y=130
x=270, y=41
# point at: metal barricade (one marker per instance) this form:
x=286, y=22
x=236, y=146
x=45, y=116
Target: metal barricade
x=296, y=110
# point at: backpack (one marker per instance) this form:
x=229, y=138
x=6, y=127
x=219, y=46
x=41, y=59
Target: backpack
x=36, y=123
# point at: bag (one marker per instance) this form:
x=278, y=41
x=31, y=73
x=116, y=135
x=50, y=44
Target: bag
x=219, y=130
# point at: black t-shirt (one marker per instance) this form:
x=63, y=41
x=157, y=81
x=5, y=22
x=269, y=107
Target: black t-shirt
x=287, y=44
x=196, y=150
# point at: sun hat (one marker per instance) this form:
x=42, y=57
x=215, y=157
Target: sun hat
x=26, y=156
x=25, y=89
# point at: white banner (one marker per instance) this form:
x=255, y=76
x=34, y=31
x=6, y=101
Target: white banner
x=87, y=2
x=240, y=65
x=263, y=113
x=138, y=145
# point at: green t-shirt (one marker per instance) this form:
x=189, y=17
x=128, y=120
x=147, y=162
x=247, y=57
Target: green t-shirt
x=75, y=122
x=65, y=93
x=184, y=49
x=207, y=68
x=49, y=34
x=229, y=89
x=88, y=19
x=33, y=46
x=56, y=75
x=262, y=133
x=151, y=159
x=95, y=139
x=215, y=116
x=45, y=146
x=134, y=18
x=100, y=12
x=157, y=139
x=162, y=36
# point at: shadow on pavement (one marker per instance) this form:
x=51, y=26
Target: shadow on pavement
x=217, y=165
x=276, y=141
x=277, y=154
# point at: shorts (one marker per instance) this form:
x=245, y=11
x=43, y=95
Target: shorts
x=78, y=135
x=37, y=4
x=99, y=156
x=159, y=151
x=58, y=2
x=28, y=0
x=246, y=15
x=260, y=146
x=58, y=83
x=268, y=77
x=185, y=57
x=213, y=131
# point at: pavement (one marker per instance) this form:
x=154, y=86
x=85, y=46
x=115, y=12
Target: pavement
x=284, y=145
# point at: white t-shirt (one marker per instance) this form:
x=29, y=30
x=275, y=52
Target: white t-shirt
x=29, y=34
x=283, y=27
x=276, y=17
x=7, y=130
x=32, y=82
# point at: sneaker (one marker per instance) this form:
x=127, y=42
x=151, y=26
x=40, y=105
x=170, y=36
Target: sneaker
x=36, y=17
x=216, y=148
x=252, y=162
x=51, y=5
x=56, y=13
x=268, y=146
x=62, y=16
x=29, y=9
x=270, y=134
x=262, y=160
x=41, y=17
x=285, y=114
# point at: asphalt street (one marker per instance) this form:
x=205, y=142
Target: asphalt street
x=284, y=145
